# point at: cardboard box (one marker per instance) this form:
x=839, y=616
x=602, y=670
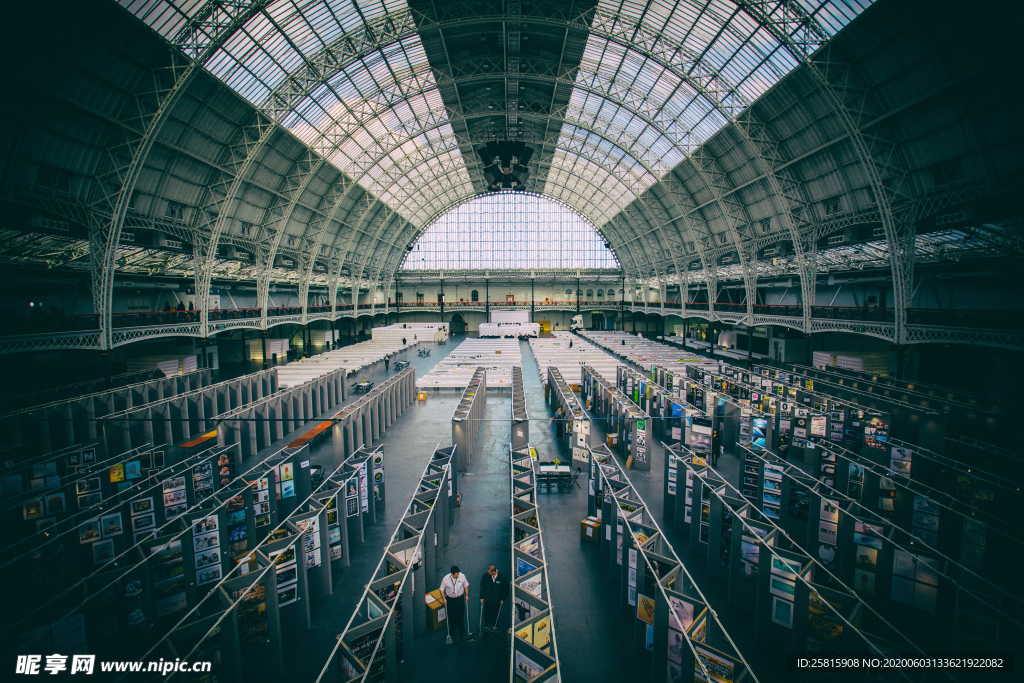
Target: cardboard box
x=437, y=611
x=590, y=529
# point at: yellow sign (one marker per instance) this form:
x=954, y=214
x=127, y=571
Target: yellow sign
x=645, y=609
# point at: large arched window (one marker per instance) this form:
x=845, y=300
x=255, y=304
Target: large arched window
x=510, y=231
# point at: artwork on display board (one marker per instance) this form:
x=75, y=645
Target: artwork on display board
x=116, y=473
x=175, y=497
x=89, y=532
x=141, y=506
x=334, y=541
x=866, y=557
x=719, y=668
x=143, y=522
x=828, y=532
x=32, y=509
x=645, y=608
x=759, y=432
x=225, y=469
x=868, y=534
x=864, y=581
x=202, y=480
x=900, y=460
x=111, y=525
x=364, y=486
x=532, y=585
x=682, y=610
x=168, y=574
x=527, y=668
x=855, y=480
x=133, y=469
x=782, y=612
x=286, y=567
x=524, y=567
x=828, y=510
x=876, y=433
x=208, y=575
x=102, y=551
x=676, y=645
x=87, y=485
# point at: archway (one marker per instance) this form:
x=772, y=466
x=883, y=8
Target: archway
x=597, y=318
x=457, y=326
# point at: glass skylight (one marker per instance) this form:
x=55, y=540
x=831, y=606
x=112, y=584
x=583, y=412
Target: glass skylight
x=510, y=231
x=665, y=116
x=380, y=118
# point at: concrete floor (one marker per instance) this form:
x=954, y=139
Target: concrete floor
x=579, y=579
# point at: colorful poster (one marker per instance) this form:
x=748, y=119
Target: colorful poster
x=645, y=608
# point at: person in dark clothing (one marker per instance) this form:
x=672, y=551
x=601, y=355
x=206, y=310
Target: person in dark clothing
x=492, y=595
x=387, y=364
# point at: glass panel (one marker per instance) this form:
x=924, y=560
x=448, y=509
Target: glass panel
x=508, y=231
x=656, y=114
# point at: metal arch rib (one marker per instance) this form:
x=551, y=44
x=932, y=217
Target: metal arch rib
x=775, y=16
x=106, y=235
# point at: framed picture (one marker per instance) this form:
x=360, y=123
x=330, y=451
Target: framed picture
x=32, y=509
x=87, y=485
x=56, y=504
x=133, y=469
x=102, y=551
x=141, y=506
x=782, y=612
x=89, y=532
x=89, y=499
x=117, y=473
x=111, y=525
x=144, y=522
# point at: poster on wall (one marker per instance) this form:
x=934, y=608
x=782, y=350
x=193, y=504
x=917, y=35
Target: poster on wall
x=206, y=549
x=285, y=477
x=202, y=480
x=819, y=425
x=261, y=503
x=310, y=528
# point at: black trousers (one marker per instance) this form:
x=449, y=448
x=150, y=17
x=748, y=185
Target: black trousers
x=491, y=611
x=457, y=616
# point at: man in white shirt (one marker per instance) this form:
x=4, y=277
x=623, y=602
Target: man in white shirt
x=455, y=589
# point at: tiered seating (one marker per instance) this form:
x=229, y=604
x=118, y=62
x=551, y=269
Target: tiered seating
x=497, y=356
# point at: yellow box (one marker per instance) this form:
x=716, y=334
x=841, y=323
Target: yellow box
x=437, y=611
x=421, y=396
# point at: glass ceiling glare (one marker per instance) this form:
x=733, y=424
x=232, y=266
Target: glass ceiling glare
x=631, y=118
x=509, y=231
x=380, y=119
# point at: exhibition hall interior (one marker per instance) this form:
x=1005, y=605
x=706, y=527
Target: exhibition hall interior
x=511, y=340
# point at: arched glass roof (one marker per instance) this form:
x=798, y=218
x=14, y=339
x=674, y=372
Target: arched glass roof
x=510, y=231
x=378, y=89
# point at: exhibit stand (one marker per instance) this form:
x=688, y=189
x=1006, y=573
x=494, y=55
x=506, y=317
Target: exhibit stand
x=572, y=424
x=672, y=624
x=467, y=422
x=901, y=567
x=520, y=418
x=263, y=600
x=533, y=648
x=60, y=424
x=801, y=606
x=176, y=419
x=628, y=428
x=376, y=642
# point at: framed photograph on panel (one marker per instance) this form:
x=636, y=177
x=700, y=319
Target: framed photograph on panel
x=782, y=612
